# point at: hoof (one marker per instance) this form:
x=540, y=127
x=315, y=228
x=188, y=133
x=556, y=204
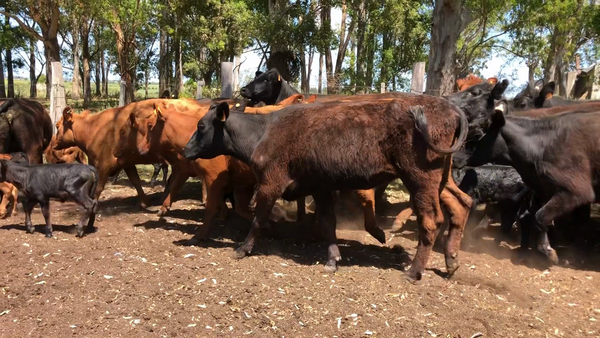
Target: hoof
x=79, y=234
x=451, y=265
x=552, y=256
x=379, y=235
x=240, y=253
x=144, y=204
x=330, y=267
x=413, y=276
x=49, y=235
x=162, y=212
x=30, y=230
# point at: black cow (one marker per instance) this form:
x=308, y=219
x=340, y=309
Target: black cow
x=38, y=183
x=558, y=158
x=313, y=149
x=24, y=126
x=541, y=95
x=268, y=87
x=501, y=185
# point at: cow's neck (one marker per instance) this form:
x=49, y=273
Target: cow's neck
x=178, y=129
x=243, y=132
x=81, y=131
x=285, y=91
x=525, y=140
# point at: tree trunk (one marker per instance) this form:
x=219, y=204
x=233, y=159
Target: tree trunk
x=32, y=76
x=52, y=49
x=344, y=40
x=105, y=67
x=311, y=57
x=97, y=77
x=449, y=20
x=178, y=90
x=320, y=84
x=360, y=45
x=531, y=76
x=550, y=64
x=2, y=84
x=162, y=60
x=85, y=55
x=123, y=56
x=76, y=85
x=9, y=74
x=303, y=79
x=370, y=61
x=326, y=26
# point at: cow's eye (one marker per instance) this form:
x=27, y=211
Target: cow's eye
x=200, y=126
x=266, y=80
x=475, y=92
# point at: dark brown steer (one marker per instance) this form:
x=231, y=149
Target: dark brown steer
x=316, y=148
x=24, y=126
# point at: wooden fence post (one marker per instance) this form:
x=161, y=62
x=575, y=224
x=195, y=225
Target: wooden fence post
x=383, y=87
x=122, y=93
x=596, y=83
x=571, y=77
x=57, y=94
x=227, y=80
x=418, y=78
x=199, y=87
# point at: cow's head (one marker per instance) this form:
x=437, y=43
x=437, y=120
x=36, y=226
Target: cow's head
x=65, y=137
x=482, y=100
x=209, y=140
x=135, y=134
x=264, y=86
x=148, y=129
x=488, y=147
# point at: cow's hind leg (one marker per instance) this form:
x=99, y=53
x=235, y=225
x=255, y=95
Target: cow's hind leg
x=165, y=169
x=133, y=176
x=561, y=203
x=326, y=219
x=265, y=199
x=367, y=200
x=457, y=204
x=176, y=181
x=45, y=205
x=155, y=175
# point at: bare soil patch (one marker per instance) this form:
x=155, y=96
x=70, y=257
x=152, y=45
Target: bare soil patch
x=133, y=278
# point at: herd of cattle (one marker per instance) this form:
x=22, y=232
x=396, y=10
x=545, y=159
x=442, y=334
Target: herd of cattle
x=275, y=143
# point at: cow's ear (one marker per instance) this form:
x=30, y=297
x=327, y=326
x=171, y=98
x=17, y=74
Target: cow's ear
x=67, y=114
x=499, y=89
x=548, y=89
x=223, y=111
x=492, y=80
x=132, y=119
x=498, y=119
x=538, y=84
x=502, y=106
x=158, y=113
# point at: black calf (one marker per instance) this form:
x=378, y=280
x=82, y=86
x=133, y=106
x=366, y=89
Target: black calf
x=501, y=185
x=38, y=183
x=157, y=168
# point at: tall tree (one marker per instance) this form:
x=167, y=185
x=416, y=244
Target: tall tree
x=449, y=20
x=46, y=14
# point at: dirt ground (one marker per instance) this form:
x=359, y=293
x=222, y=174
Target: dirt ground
x=134, y=278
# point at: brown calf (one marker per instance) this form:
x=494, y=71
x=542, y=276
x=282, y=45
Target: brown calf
x=472, y=80
x=68, y=155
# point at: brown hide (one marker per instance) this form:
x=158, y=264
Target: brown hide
x=472, y=80
x=68, y=155
x=163, y=134
x=98, y=136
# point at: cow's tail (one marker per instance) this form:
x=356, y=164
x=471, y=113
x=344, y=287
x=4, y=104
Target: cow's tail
x=423, y=128
x=6, y=105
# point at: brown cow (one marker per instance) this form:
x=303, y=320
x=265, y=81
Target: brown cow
x=97, y=135
x=164, y=133
x=471, y=80
x=68, y=155
x=10, y=194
